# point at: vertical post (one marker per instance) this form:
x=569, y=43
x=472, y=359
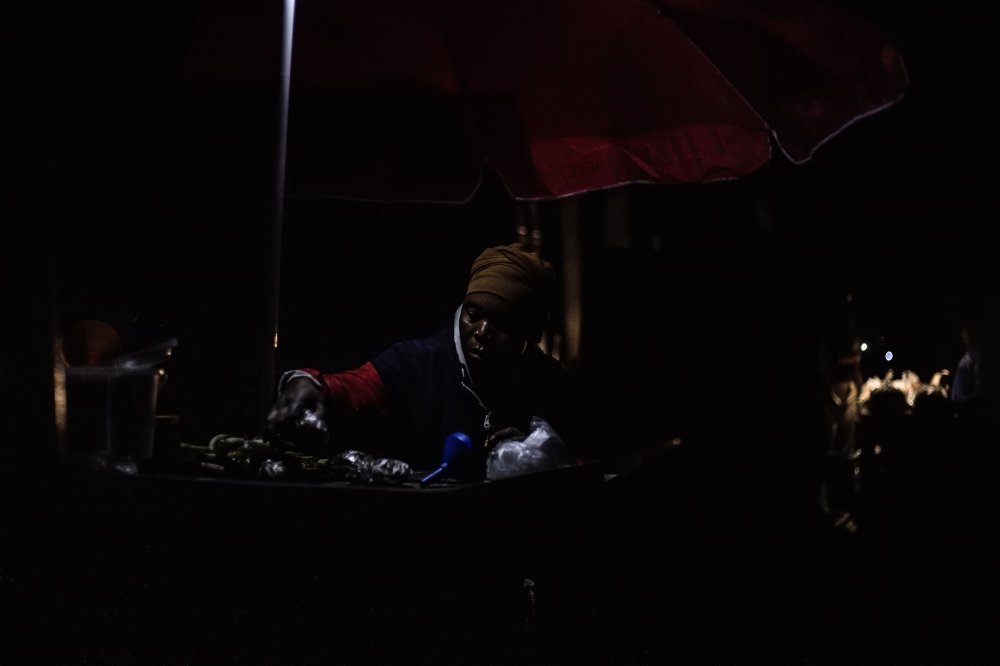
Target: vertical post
x=58, y=364
x=532, y=238
x=572, y=281
x=520, y=224
x=535, y=227
x=269, y=342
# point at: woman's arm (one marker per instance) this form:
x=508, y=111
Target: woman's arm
x=352, y=405
x=356, y=398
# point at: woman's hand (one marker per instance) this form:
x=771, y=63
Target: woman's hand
x=302, y=406
x=505, y=434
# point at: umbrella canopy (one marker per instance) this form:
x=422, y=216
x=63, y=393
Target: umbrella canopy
x=565, y=96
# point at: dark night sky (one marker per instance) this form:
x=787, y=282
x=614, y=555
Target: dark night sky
x=156, y=191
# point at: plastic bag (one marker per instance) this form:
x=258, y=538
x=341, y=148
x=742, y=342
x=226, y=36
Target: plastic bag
x=541, y=450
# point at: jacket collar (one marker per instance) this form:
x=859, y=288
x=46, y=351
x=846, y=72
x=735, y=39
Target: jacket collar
x=466, y=375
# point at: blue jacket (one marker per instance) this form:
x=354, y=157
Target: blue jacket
x=431, y=395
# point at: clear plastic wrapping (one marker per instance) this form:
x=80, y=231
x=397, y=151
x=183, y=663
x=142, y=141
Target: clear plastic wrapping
x=541, y=450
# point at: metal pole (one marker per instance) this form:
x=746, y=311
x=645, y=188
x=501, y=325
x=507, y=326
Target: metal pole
x=269, y=340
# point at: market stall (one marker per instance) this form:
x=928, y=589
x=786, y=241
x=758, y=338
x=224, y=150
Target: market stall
x=128, y=529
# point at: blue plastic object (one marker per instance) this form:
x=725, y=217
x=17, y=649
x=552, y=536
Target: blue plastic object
x=458, y=451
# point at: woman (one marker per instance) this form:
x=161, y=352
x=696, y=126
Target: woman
x=483, y=375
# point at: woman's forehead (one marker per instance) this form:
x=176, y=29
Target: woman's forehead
x=491, y=303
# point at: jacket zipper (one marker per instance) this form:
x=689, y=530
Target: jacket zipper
x=465, y=372
x=486, y=421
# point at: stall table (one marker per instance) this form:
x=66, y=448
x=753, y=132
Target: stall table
x=160, y=561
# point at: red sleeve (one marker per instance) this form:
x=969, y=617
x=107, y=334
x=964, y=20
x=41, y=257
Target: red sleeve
x=356, y=399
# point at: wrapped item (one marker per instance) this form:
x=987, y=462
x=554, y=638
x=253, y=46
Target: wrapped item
x=273, y=469
x=541, y=450
x=350, y=465
x=279, y=459
x=358, y=467
x=386, y=471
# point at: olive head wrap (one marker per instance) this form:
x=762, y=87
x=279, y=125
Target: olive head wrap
x=518, y=277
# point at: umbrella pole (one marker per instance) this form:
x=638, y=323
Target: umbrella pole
x=269, y=341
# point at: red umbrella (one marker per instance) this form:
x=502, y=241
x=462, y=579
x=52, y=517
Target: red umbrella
x=565, y=96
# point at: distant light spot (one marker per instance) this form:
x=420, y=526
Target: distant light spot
x=864, y=346
x=888, y=356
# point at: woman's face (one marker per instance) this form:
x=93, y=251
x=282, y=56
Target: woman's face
x=493, y=334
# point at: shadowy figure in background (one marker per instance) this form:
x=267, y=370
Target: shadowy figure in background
x=841, y=367
x=967, y=383
x=973, y=387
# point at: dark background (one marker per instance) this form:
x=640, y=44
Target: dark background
x=150, y=196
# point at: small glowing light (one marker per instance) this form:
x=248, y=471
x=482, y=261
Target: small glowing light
x=275, y=340
x=864, y=346
x=888, y=356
